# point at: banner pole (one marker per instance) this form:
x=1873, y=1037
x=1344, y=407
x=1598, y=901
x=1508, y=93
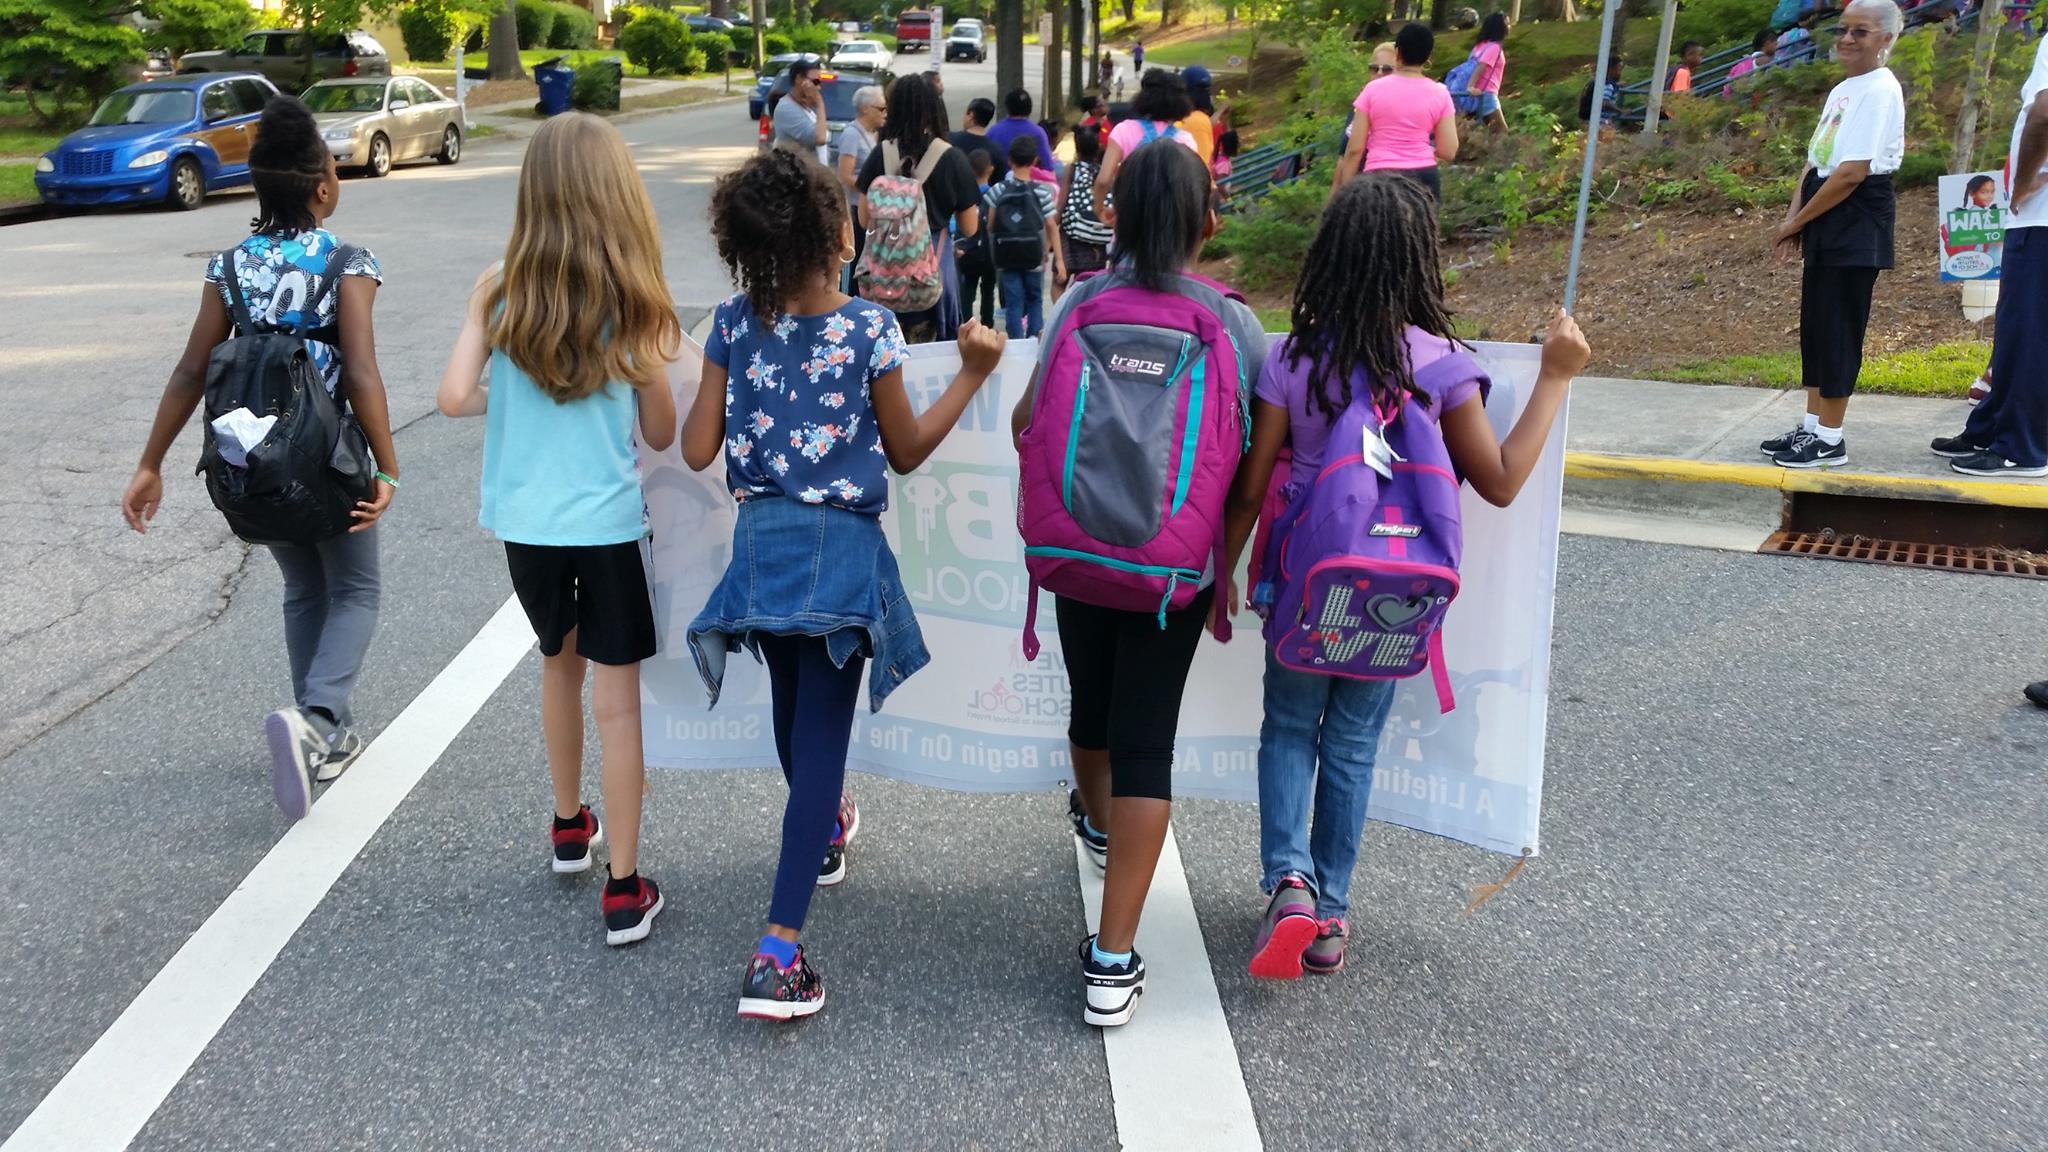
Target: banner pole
x=1571, y=275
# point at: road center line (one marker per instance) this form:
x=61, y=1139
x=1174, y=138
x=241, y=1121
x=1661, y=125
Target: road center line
x=105, y=1099
x=1173, y=1071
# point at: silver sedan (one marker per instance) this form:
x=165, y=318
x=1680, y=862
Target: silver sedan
x=374, y=122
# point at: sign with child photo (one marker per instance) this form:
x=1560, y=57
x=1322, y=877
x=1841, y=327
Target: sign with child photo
x=983, y=718
x=1972, y=224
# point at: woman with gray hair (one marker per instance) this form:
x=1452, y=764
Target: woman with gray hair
x=1841, y=221
x=856, y=140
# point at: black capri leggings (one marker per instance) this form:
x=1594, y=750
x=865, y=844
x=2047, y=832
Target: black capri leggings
x=1126, y=674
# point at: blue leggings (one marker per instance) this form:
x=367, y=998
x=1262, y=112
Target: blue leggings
x=813, y=713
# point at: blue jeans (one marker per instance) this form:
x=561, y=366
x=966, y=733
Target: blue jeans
x=1310, y=719
x=1023, y=302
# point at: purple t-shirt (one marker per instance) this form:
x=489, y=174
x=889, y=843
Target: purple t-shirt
x=1308, y=430
x=1003, y=131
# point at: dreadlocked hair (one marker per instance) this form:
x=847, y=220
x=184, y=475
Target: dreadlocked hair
x=287, y=164
x=1373, y=271
x=777, y=223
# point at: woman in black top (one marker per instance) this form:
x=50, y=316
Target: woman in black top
x=950, y=195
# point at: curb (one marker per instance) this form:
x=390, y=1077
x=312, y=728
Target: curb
x=1598, y=466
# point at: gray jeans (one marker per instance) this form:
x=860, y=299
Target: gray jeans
x=330, y=612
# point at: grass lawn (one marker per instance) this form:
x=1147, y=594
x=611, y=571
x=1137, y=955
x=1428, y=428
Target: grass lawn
x=20, y=135
x=1212, y=52
x=17, y=185
x=1944, y=370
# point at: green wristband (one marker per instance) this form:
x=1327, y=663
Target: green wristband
x=388, y=479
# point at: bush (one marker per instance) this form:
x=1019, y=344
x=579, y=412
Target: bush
x=661, y=44
x=574, y=27
x=1721, y=24
x=777, y=44
x=1270, y=238
x=536, y=18
x=812, y=38
x=596, y=86
x=743, y=47
x=429, y=31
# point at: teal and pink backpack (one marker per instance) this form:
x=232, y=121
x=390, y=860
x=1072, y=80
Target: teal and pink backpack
x=1359, y=569
x=1135, y=436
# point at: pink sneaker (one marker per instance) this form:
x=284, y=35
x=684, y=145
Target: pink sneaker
x=1289, y=927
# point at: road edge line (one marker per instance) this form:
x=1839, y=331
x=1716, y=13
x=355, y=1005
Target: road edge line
x=1608, y=466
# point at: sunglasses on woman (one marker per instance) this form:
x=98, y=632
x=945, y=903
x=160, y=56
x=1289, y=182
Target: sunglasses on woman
x=1380, y=69
x=1857, y=34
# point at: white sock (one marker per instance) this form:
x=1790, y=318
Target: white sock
x=1810, y=422
x=1828, y=436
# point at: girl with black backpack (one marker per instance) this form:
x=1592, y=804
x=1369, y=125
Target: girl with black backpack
x=294, y=276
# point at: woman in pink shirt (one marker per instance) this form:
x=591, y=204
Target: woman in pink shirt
x=1405, y=122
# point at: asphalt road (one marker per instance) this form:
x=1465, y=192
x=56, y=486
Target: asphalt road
x=1787, y=897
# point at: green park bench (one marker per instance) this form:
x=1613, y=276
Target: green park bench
x=1259, y=171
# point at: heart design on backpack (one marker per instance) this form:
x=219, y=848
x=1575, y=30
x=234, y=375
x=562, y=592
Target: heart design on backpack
x=1392, y=611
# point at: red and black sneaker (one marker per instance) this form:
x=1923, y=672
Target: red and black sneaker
x=772, y=992
x=629, y=915
x=573, y=844
x=833, y=868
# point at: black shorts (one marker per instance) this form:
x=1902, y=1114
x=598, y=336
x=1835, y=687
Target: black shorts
x=599, y=591
x=1126, y=674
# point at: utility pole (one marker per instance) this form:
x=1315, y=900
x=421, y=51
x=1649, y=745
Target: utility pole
x=1964, y=155
x=1054, y=34
x=1653, y=114
x=760, y=34
x=1077, y=52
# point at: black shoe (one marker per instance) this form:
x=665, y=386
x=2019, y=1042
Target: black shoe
x=1954, y=447
x=1777, y=444
x=772, y=992
x=1992, y=464
x=1097, y=843
x=2038, y=693
x=1112, y=992
x=1810, y=451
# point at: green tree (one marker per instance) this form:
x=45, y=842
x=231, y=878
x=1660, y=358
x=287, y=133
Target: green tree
x=66, y=54
x=194, y=25
x=317, y=18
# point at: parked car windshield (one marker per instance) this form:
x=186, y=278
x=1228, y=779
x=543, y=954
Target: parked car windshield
x=345, y=97
x=162, y=106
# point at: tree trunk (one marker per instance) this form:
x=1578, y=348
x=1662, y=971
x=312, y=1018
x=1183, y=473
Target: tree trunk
x=1130, y=11
x=1077, y=51
x=1165, y=13
x=722, y=9
x=1440, y=14
x=503, y=55
x=760, y=33
x=1009, y=47
x=1055, y=26
x=1514, y=11
x=1963, y=158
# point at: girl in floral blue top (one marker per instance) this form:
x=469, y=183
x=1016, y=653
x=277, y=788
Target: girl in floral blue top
x=803, y=397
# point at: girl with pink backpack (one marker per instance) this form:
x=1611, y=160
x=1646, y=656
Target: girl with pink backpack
x=1128, y=439
x=1384, y=416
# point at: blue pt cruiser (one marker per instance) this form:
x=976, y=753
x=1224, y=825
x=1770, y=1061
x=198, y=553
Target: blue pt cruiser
x=167, y=141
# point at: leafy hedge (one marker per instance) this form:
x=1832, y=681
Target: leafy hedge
x=429, y=31
x=536, y=19
x=574, y=27
x=777, y=44
x=595, y=88
x=661, y=44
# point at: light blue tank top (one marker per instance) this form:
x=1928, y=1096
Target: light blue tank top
x=564, y=475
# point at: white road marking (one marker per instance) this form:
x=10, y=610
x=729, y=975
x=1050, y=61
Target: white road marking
x=1173, y=1071
x=105, y=1099
x=1651, y=529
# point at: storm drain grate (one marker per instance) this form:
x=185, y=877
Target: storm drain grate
x=1870, y=550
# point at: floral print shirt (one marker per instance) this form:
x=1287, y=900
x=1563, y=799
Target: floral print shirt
x=280, y=274
x=798, y=420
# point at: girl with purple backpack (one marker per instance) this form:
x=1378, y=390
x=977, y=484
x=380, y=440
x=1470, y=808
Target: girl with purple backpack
x=1369, y=336
x=1125, y=467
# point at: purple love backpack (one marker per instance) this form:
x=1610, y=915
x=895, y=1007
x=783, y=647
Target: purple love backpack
x=1359, y=570
x=1135, y=436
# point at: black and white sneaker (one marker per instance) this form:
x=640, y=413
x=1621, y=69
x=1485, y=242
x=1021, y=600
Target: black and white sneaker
x=1954, y=447
x=772, y=992
x=1097, y=843
x=1112, y=992
x=298, y=745
x=833, y=869
x=342, y=749
x=1992, y=464
x=1777, y=444
x=1810, y=451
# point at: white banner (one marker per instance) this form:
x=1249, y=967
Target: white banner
x=981, y=718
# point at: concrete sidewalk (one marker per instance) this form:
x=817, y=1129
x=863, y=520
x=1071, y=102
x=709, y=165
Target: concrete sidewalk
x=1692, y=449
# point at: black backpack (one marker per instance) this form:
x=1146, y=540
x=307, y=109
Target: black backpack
x=971, y=256
x=1017, y=227
x=303, y=481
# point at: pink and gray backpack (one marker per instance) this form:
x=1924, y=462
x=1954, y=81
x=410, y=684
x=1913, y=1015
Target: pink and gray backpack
x=1360, y=569
x=1135, y=436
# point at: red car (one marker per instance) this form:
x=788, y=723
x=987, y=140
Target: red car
x=914, y=30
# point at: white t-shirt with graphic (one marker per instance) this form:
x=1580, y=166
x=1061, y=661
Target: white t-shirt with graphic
x=1864, y=119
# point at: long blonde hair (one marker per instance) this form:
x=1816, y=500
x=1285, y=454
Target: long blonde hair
x=582, y=300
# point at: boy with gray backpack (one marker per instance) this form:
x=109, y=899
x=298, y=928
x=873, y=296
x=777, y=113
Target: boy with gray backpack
x=1022, y=218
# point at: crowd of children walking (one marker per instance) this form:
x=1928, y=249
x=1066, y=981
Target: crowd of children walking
x=567, y=349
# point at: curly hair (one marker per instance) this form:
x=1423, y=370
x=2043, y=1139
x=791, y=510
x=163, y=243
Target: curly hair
x=287, y=164
x=777, y=221
x=1373, y=271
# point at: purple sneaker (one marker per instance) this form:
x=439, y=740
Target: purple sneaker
x=1326, y=955
x=1288, y=928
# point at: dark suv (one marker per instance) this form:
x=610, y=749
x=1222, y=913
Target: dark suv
x=280, y=55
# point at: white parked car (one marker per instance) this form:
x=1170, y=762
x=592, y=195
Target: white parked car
x=863, y=55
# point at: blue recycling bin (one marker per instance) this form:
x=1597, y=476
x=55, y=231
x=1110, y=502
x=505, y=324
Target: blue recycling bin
x=554, y=80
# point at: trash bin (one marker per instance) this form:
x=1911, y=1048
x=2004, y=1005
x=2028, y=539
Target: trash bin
x=554, y=81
